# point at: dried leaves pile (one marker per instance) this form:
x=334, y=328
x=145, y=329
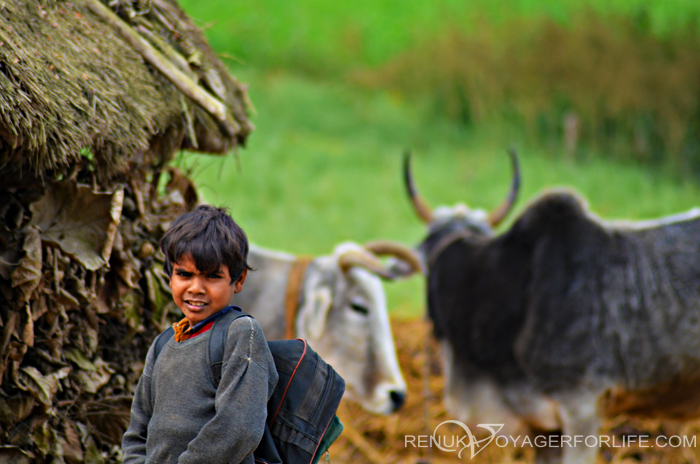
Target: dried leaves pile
x=95, y=98
x=75, y=331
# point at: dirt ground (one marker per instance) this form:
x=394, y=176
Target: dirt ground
x=369, y=438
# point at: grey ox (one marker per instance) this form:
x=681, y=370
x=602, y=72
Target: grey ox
x=564, y=318
x=337, y=303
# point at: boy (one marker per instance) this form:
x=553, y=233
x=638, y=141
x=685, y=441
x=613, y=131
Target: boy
x=177, y=415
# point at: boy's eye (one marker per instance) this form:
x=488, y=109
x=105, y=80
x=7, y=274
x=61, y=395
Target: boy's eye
x=214, y=276
x=183, y=273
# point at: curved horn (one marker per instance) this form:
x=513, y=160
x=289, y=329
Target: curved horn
x=497, y=215
x=364, y=259
x=382, y=248
x=419, y=205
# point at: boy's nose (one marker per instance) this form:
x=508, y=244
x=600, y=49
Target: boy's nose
x=196, y=286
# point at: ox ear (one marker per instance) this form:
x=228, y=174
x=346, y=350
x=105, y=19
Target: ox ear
x=321, y=299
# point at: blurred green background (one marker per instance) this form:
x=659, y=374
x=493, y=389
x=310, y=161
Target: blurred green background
x=600, y=96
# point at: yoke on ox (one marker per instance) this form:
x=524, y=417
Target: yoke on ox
x=337, y=302
x=563, y=318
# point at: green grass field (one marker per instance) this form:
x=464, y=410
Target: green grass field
x=324, y=166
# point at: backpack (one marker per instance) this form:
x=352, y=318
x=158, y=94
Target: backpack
x=301, y=420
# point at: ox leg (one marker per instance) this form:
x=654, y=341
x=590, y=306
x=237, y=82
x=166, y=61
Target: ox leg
x=548, y=454
x=579, y=416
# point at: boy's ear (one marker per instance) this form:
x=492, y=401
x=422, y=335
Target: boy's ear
x=238, y=284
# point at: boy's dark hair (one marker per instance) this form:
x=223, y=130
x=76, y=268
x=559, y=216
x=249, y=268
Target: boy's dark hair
x=211, y=237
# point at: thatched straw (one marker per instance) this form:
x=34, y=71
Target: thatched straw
x=70, y=83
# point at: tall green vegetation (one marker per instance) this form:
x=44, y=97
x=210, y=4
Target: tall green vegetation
x=617, y=79
x=331, y=37
x=597, y=85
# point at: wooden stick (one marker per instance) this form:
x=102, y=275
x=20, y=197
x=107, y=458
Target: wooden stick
x=168, y=69
x=177, y=59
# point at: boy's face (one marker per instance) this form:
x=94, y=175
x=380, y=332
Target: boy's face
x=201, y=294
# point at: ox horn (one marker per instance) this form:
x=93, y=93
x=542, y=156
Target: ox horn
x=497, y=215
x=422, y=209
x=384, y=248
x=362, y=258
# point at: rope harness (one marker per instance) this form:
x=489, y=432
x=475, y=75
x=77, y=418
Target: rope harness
x=292, y=293
x=443, y=243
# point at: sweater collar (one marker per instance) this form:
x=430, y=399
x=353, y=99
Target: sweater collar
x=183, y=330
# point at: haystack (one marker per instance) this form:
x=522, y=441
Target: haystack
x=95, y=99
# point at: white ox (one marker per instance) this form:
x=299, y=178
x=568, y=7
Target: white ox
x=337, y=303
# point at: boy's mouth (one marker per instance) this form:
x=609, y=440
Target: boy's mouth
x=195, y=304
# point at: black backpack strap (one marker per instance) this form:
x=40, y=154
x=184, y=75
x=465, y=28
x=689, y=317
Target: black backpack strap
x=217, y=342
x=163, y=338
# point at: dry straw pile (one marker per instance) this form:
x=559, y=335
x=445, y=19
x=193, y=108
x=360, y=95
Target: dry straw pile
x=95, y=99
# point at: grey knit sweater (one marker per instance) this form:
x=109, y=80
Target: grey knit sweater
x=177, y=415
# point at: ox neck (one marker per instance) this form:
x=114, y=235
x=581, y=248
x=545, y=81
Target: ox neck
x=295, y=284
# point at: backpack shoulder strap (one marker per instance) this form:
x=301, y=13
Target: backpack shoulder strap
x=162, y=339
x=217, y=342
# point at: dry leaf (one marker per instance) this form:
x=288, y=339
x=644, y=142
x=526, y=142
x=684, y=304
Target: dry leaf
x=80, y=222
x=27, y=275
